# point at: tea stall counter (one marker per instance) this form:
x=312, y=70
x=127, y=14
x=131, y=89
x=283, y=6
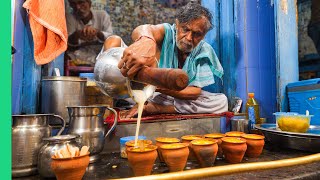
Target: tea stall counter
x=113, y=166
x=116, y=167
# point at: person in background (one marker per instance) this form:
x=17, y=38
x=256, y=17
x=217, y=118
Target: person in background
x=314, y=24
x=180, y=45
x=87, y=31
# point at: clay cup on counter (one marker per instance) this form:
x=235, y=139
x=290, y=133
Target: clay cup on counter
x=175, y=155
x=233, y=149
x=255, y=145
x=205, y=151
x=234, y=134
x=141, y=142
x=188, y=139
x=141, y=159
x=70, y=168
x=145, y=142
x=164, y=140
x=216, y=136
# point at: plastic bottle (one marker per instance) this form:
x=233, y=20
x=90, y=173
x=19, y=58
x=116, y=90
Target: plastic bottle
x=252, y=102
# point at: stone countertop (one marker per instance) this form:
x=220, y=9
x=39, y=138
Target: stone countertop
x=113, y=166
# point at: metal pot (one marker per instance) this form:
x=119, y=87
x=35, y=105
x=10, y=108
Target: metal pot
x=60, y=91
x=109, y=78
x=87, y=122
x=27, y=133
x=47, y=151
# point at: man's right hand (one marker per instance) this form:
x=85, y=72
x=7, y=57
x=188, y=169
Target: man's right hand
x=136, y=56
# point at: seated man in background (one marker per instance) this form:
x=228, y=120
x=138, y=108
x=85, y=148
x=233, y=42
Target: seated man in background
x=87, y=30
x=176, y=46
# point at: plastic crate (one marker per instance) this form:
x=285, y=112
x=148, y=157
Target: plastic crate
x=305, y=95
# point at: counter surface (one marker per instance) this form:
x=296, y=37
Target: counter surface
x=113, y=166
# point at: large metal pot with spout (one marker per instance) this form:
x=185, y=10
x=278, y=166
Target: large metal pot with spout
x=27, y=133
x=112, y=83
x=88, y=123
x=108, y=76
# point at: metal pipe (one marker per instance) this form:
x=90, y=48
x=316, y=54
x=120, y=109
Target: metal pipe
x=231, y=169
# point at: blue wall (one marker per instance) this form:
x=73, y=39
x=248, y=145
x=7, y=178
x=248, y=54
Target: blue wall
x=245, y=43
x=255, y=53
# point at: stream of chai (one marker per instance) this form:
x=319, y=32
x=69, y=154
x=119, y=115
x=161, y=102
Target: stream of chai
x=140, y=97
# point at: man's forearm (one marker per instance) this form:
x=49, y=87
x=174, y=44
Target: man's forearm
x=189, y=93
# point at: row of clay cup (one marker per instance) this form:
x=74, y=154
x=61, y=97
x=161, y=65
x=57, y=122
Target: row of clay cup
x=202, y=148
x=232, y=146
x=238, y=144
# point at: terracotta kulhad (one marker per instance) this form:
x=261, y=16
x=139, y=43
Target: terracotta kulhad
x=70, y=168
x=216, y=136
x=234, y=134
x=141, y=160
x=175, y=155
x=255, y=145
x=233, y=149
x=164, y=140
x=205, y=150
x=188, y=139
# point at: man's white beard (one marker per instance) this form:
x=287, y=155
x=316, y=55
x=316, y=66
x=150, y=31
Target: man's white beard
x=187, y=50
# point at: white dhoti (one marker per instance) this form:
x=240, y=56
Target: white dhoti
x=206, y=103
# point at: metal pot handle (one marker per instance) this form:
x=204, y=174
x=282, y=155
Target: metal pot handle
x=63, y=124
x=115, y=122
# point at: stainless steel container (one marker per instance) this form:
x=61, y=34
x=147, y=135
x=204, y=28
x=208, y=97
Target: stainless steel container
x=57, y=92
x=47, y=151
x=239, y=123
x=27, y=133
x=87, y=122
x=109, y=79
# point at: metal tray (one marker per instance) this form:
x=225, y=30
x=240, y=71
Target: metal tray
x=309, y=141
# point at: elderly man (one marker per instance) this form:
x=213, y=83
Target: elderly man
x=87, y=30
x=176, y=46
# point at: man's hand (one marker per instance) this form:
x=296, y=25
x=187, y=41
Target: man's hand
x=88, y=33
x=136, y=56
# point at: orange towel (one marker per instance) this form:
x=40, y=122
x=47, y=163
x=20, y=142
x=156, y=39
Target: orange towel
x=48, y=27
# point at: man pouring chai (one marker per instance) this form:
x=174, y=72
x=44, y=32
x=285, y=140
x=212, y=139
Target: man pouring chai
x=180, y=45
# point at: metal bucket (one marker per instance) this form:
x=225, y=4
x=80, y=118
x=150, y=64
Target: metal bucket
x=57, y=92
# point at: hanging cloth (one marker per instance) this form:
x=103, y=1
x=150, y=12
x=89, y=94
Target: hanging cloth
x=48, y=27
